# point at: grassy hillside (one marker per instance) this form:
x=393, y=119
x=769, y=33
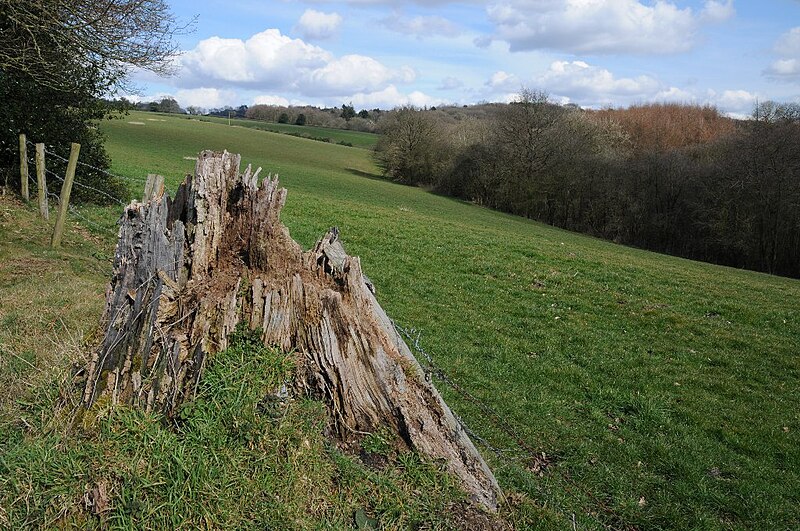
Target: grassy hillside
x=356, y=138
x=662, y=392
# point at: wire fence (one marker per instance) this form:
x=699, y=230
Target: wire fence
x=80, y=212
x=89, y=166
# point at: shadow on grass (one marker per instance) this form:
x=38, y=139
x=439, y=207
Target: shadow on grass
x=367, y=175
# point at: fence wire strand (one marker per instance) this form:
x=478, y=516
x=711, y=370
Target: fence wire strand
x=95, y=168
x=73, y=210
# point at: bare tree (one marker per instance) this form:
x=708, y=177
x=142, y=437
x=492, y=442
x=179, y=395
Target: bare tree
x=410, y=148
x=108, y=36
x=772, y=111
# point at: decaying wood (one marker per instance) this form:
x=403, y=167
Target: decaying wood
x=188, y=270
x=154, y=186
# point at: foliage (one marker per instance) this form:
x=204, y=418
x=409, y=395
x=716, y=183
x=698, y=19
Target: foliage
x=314, y=116
x=58, y=58
x=283, y=118
x=339, y=136
x=672, y=178
x=43, y=38
x=56, y=118
x=301, y=119
x=169, y=105
x=409, y=148
x=663, y=127
x=348, y=112
x=772, y=111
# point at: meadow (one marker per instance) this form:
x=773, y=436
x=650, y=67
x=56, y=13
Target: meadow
x=643, y=391
x=353, y=138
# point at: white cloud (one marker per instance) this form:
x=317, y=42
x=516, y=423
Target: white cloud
x=674, y=94
x=425, y=3
x=268, y=99
x=787, y=67
x=718, y=11
x=267, y=59
x=271, y=62
x=735, y=103
x=219, y=58
x=317, y=25
x=590, y=85
x=504, y=81
x=354, y=73
x=789, y=43
x=784, y=69
x=598, y=26
x=450, y=83
x=421, y=26
x=390, y=97
x=205, y=97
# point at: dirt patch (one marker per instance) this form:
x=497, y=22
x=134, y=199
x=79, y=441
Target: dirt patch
x=467, y=516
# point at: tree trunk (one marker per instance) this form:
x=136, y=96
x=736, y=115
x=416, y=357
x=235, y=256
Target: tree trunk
x=188, y=270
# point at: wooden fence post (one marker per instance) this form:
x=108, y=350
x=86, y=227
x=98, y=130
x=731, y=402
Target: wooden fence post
x=23, y=167
x=41, y=182
x=66, y=189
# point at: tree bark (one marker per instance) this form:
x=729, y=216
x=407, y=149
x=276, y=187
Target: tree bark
x=188, y=270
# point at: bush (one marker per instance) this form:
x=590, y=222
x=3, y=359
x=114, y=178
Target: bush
x=57, y=118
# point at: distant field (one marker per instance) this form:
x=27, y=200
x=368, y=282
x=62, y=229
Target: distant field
x=663, y=392
x=356, y=138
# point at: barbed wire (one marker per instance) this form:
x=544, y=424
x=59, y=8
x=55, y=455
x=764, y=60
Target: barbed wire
x=54, y=174
x=71, y=208
x=95, y=168
x=487, y=410
x=76, y=182
x=86, y=186
x=74, y=210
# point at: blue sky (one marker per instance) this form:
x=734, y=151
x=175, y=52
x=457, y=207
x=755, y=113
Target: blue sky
x=383, y=53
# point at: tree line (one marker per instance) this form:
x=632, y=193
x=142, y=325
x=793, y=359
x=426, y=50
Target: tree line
x=344, y=117
x=672, y=178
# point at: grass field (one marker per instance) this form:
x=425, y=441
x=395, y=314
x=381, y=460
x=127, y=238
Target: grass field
x=355, y=138
x=663, y=392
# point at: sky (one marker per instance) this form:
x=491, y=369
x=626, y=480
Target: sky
x=386, y=53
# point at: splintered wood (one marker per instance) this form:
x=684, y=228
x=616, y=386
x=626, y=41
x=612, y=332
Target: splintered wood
x=187, y=271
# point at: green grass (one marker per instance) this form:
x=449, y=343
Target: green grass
x=356, y=139
x=663, y=392
x=236, y=457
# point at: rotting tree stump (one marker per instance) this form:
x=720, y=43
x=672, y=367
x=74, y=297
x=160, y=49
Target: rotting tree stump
x=188, y=270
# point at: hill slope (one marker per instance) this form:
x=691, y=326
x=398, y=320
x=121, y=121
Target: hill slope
x=662, y=392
